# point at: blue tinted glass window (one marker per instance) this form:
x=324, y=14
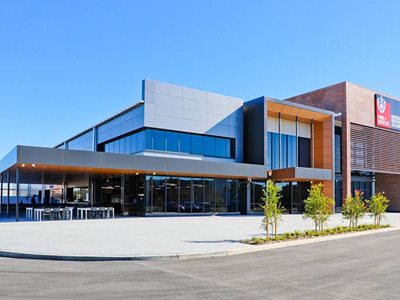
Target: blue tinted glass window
x=275, y=151
x=197, y=144
x=229, y=147
x=172, y=141
x=116, y=147
x=159, y=140
x=209, y=146
x=149, y=139
x=269, y=150
x=121, y=146
x=220, y=147
x=291, y=151
x=127, y=145
x=140, y=141
x=283, y=151
x=185, y=143
x=134, y=143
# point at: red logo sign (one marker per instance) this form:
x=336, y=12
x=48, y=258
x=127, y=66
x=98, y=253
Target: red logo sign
x=383, y=113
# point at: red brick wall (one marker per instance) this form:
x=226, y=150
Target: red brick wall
x=389, y=184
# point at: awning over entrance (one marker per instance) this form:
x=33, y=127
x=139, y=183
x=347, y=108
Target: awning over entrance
x=302, y=174
x=36, y=160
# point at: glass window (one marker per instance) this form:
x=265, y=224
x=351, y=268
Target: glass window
x=159, y=140
x=197, y=144
x=149, y=139
x=185, y=188
x=221, y=147
x=141, y=141
x=291, y=151
x=116, y=146
x=275, y=151
x=134, y=143
x=209, y=200
x=128, y=144
x=121, y=146
x=172, y=141
x=173, y=195
x=209, y=146
x=198, y=191
x=185, y=143
x=256, y=196
x=232, y=193
x=269, y=151
x=304, y=152
x=163, y=140
x=220, y=195
x=284, y=151
x=158, y=194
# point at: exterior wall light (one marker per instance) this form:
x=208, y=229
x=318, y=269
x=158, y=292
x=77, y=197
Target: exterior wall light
x=269, y=173
x=23, y=165
x=137, y=173
x=33, y=166
x=154, y=173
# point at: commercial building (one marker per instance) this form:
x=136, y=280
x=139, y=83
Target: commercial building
x=367, y=139
x=180, y=150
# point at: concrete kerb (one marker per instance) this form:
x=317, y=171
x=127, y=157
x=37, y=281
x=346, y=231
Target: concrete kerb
x=172, y=256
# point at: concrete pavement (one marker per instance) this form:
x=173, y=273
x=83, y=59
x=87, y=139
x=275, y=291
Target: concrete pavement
x=144, y=237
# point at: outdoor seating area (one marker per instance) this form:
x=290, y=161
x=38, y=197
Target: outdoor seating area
x=67, y=213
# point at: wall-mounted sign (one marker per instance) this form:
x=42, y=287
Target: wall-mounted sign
x=387, y=112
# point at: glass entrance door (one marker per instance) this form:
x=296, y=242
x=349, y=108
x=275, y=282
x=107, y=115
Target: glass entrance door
x=111, y=193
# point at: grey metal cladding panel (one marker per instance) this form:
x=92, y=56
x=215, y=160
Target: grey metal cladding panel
x=162, y=88
x=254, y=170
x=40, y=155
x=313, y=173
x=82, y=159
x=181, y=165
x=220, y=168
x=151, y=163
x=10, y=159
x=117, y=161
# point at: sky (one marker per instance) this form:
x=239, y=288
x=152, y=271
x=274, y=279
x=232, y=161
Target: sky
x=68, y=64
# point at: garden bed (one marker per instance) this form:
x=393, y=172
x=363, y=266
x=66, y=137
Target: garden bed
x=297, y=234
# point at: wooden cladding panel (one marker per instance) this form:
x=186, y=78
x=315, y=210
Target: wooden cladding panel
x=374, y=150
x=323, y=132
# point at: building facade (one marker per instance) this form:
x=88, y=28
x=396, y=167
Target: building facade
x=367, y=137
x=180, y=150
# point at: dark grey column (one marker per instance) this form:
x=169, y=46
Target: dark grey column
x=312, y=144
x=248, y=196
x=8, y=194
x=297, y=142
x=17, y=192
x=1, y=192
x=279, y=144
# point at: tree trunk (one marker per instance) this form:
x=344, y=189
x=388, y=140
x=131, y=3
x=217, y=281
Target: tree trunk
x=276, y=227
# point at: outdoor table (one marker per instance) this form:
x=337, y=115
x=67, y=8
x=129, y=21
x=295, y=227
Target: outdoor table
x=110, y=210
x=38, y=213
x=29, y=212
x=71, y=209
x=82, y=211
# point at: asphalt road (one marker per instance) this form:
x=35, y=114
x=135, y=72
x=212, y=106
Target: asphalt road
x=366, y=267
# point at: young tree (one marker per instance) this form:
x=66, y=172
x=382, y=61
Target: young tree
x=318, y=207
x=272, y=207
x=377, y=207
x=354, y=208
